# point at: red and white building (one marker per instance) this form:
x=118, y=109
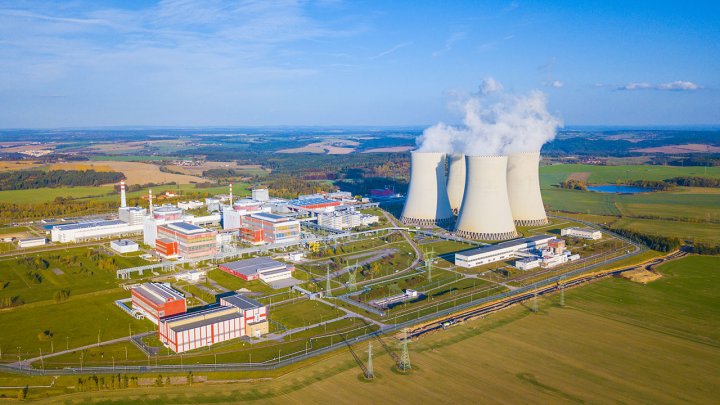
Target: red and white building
x=269, y=228
x=236, y=316
x=192, y=240
x=157, y=300
x=314, y=204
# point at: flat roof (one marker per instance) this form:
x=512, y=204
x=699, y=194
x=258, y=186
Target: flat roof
x=577, y=228
x=90, y=224
x=158, y=293
x=252, y=266
x=242, y=302
x=124, y=242
x=268, y=216
x=204, y=317
x=185, y=227
x=32, y=239
x=503, y=245
x=311, y=201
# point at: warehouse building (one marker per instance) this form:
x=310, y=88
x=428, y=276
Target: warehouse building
x=500, y=251
x=236, y=316
x=157, y=300
x=32, y=242
x=192, y=240
x=583, y=233
x=258, y=268
x=89, y=230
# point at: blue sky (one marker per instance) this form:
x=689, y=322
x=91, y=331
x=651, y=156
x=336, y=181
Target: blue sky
x=204, y=63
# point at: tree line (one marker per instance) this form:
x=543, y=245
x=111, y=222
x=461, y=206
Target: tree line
x=30, y=179
x=654, y=242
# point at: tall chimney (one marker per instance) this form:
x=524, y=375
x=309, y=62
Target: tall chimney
x=150, y=199
x=231, y=200
x=123, y=201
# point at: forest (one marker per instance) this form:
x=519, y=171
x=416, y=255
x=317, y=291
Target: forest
x=29, y=179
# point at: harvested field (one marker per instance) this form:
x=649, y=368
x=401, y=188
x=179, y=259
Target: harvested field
x=390, y=149
x=249, y=170
x=162, y=146
x=330, y=147
x=579, y=176
x=687, y=148
x=81, y=166
x=10, y=165
x=140, y=173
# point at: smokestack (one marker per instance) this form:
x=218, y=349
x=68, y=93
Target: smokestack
x=485, y=213
x=231, y=201
x=150, y=199
x=523, y=182
x=456, y=181
x=427, y=200
x=123, y=201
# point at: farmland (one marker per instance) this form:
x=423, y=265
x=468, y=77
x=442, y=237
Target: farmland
x=139, y=172
x=573, y=354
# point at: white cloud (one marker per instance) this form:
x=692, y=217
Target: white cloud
x=679, y=85
x=490, y=85
x=555, y=84
x=391, y=50
x=450, y=42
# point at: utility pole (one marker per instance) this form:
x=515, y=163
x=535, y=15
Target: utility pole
x=328, y=289
x=404, y=364
x=370, y=373
x=562, y=294
x=42, y=362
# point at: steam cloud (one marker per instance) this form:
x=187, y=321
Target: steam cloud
x=495, y=123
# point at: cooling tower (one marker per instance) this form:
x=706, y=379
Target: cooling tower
x=456, y=181
x=427, y=201
x=485, y=213
x=523, y=184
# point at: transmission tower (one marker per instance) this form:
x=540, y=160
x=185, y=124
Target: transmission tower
x=352, y=280
x=534, y=303
x=369, y=374
x=429, y=260
x=328, y=289
x=404, y=363
x=562, y=294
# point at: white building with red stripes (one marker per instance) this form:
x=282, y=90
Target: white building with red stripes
x=235, y=317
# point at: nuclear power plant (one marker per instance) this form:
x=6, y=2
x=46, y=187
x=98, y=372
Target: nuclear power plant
x=523, y=182
x=456, y=181
x=490, y=194
x=427, y=199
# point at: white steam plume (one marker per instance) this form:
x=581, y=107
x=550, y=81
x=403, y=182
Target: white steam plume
x=495, y=123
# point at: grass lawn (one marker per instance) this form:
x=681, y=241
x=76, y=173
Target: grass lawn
x=701, y=232
x=615, y=341
x=70, y=269
x=303, y=312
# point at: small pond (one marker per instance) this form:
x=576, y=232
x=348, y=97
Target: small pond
x=615, y=188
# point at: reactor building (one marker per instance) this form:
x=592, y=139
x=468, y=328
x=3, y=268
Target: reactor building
x=427, y=200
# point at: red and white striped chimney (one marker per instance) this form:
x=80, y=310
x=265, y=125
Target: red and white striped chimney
x=123, y=201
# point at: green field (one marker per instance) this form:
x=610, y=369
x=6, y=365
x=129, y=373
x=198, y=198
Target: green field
x=554, y=174
x=696, y=232
x=130, y=158
x=615, y=341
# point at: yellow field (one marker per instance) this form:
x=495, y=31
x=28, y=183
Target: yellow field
x=10, y=165
x=81, y=166
x=139, y=172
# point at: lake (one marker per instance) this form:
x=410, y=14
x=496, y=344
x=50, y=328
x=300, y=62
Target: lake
x=614, y=188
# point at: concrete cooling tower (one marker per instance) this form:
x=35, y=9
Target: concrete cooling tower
x=523, y=184
x=427, y=200
x=456, y=181
x=485, y=213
